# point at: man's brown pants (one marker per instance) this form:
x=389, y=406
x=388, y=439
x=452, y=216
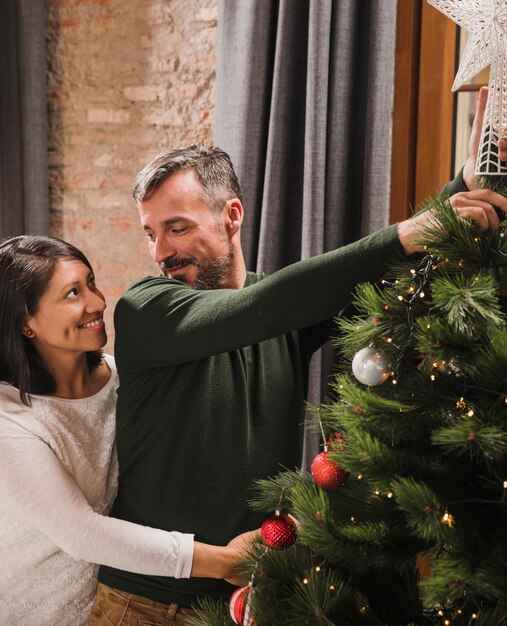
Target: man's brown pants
x=117, y=608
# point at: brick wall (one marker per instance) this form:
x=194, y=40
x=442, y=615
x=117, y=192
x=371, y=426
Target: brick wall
x=127, y=78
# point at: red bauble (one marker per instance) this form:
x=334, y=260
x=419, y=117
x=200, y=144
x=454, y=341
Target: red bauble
x=239, y=607
x=327, y=473
x=279, y=531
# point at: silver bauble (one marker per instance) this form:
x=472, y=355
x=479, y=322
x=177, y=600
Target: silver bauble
x=371, y=366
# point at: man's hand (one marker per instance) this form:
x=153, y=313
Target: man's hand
x=475, y=138
x=476, y=205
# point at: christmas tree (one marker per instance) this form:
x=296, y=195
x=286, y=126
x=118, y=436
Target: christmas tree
x=416, y=535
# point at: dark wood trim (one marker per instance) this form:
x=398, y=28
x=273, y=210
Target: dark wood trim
x=435, y=104
x=408, y=25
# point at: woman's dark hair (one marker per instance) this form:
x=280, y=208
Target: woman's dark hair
x=27, y=264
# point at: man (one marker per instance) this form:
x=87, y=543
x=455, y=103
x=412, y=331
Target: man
x=213, y=360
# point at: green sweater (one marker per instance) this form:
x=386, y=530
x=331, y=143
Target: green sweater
x=211, y=396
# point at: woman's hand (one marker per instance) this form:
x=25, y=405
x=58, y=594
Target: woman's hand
x=222, y=561
x=237, y=550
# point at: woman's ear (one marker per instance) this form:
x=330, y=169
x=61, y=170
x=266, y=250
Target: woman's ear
x=26, y=330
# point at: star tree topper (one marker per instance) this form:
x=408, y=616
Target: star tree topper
x=486, y=21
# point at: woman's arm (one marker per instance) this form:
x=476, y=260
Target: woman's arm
x=38, y=491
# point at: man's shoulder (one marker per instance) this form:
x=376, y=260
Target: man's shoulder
x=151, y=284
x=253, y=277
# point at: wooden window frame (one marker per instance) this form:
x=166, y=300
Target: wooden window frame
x=422, y=146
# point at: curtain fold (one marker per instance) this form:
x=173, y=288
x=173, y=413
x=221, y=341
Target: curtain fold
x=304, y=108
x=24, y=195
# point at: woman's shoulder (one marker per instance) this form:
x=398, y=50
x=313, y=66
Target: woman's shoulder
x=9, y=397
x=111, y=362
x=14, y=414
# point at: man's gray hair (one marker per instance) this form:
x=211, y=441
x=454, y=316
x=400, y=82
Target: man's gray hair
x=212, y=166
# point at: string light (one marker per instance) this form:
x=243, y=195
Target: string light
x=461, y=404
x=390, y=494
x=505, y=484
x=448, y=519
x=433, y=377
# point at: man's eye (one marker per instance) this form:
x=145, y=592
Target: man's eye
x=179, y=231
x=149, y=236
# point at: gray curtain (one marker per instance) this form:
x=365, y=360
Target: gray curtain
x=304, y=108
x=24, y=197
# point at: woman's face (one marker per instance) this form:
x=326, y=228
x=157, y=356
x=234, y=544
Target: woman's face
x=69, y=314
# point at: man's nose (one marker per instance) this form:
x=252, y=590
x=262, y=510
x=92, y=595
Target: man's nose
x=162, y=249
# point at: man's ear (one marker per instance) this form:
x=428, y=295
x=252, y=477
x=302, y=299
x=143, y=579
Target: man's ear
x=233, y=216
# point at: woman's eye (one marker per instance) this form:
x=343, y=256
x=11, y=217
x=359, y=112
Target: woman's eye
x=72, y=293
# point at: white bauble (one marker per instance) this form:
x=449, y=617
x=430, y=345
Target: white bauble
x=371, y=366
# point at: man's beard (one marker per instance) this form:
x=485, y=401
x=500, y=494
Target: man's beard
x=209, y=273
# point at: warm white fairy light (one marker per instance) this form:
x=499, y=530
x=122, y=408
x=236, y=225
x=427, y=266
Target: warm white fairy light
x=447, y=519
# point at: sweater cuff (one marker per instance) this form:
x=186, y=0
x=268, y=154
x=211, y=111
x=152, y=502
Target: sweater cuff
x=454, y=186
x=185, y=556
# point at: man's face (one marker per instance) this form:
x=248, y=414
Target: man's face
x=186, y=238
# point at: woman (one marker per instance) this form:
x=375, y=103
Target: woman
x=58, y=470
